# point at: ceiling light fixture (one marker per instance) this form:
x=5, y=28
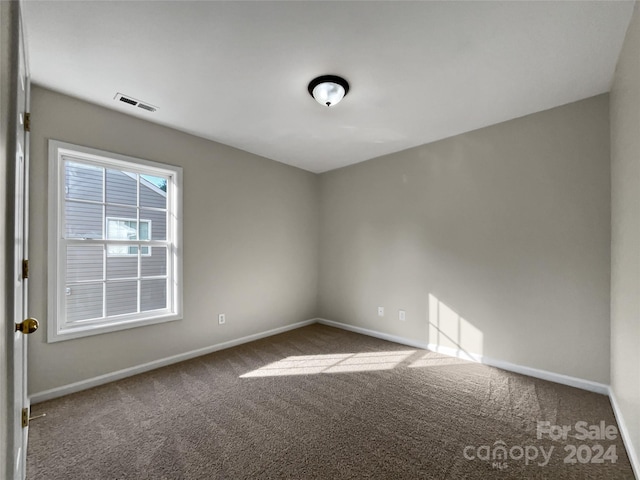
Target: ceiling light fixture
x=328, y=89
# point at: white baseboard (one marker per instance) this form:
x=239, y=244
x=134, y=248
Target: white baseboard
x=453, y=352
x=374, y=333
x=128, y=372
x=145, y=367
x=474, y=357
x=581, y=383
x=624, y=431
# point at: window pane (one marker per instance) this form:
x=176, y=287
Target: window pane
x=153, y=295
x=84, y=263
x=83, y=182
x=83, y=220
x=122, y=297
x=83, y=302
x=122, y=187
x=114, y=250
x=121, y=223
x=153, y=191
x=120, y=229
x=155, y=264
x=121, y=264
x=145, y=227
x=126, y=229
x=157, y=223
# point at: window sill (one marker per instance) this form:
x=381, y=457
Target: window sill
x=74, y=332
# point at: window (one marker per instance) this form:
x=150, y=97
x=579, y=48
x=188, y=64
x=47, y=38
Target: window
x=114, y=242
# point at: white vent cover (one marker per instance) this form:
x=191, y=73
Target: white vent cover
x=134, y=103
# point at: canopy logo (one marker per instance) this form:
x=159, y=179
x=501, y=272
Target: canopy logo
x=500, y=454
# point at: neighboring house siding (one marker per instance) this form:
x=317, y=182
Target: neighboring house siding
x=120, y=188
x=83, y=220
x=84, y=183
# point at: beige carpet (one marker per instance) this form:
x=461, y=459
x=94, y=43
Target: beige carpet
x=320, y=403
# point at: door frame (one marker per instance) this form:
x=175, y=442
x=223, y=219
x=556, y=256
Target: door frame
x=13, y=302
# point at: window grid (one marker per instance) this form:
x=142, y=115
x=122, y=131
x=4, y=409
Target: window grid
x=106, y=241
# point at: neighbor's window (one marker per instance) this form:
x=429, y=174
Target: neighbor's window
x=114, y=246
x=127, y=229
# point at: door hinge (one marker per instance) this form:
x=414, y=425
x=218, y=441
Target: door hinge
x=25, y=268
x=27, y=122
x=25, y=417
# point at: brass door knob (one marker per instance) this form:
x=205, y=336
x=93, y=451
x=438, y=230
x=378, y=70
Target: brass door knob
x=28, y=326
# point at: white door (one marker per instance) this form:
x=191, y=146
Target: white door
x=20, y=226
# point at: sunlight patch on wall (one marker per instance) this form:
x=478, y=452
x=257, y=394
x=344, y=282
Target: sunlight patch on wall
x=452, y=334
x=331, y=363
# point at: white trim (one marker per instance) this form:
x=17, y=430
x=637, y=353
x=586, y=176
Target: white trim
x=568, y=380
x=624, y=432
x=532, y=372
x=373, y=333
x=512, y=367
x=117, y=323
x=454, y=352
x=145, y=367
x=109, y=159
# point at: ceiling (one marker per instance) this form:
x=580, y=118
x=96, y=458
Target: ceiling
x=237, y=72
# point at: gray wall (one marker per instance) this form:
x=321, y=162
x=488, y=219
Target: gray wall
x=495, y=242
x=625, y=232
x=250, y=241
x=499, y=238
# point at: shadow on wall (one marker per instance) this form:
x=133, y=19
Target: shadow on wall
x=451, y=334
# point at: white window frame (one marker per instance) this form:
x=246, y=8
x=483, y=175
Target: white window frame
x=57, y=327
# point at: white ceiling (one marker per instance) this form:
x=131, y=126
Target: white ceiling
x=237, y=72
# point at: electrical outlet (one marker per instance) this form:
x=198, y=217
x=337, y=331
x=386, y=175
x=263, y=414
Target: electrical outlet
x=402, y=315
x=221, y=319
x=381, y=311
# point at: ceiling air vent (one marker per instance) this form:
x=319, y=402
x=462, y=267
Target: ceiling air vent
x=134, y=102
x=147, y=107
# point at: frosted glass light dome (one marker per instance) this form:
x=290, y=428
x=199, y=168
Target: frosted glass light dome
x=328, y=90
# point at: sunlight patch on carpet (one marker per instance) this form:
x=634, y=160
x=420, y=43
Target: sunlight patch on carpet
x=332, y=363
x=434, y=360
